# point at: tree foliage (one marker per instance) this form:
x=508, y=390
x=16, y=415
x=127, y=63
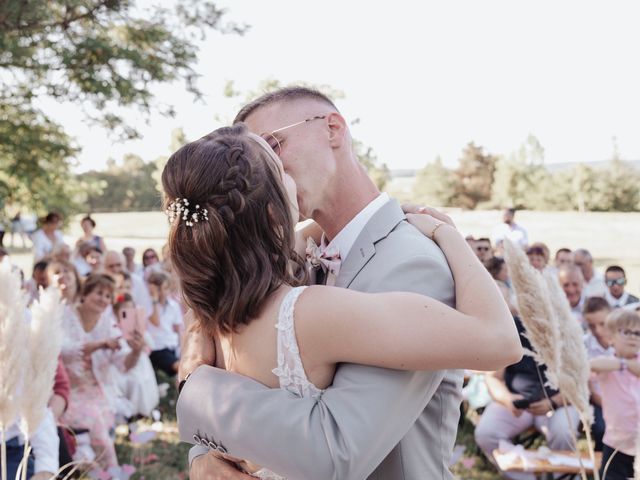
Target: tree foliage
x=434, y=185
x=104, y=55
x=474, y=177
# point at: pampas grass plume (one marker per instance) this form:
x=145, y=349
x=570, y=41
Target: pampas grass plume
x=45, y=340
x=13, y=342
x=573, y=376
x=534, y=306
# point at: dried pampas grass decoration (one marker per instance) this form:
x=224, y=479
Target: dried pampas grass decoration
x=13, y=349
x=555, y=336
x=574, y=373
x=45, y=340
x=535, y=310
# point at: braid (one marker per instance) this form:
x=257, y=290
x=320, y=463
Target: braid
x=230, y=195
x=229, y=264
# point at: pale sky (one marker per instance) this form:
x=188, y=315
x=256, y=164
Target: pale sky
x=424, y=78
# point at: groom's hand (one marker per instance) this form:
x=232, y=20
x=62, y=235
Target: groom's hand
x=210, y=467
x=198, y=348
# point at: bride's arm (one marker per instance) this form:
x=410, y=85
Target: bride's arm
x=409, y=331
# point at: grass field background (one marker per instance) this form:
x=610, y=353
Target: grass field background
x=612, y=238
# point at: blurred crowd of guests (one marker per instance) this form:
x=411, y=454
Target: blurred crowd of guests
x=518, y=398
x=122, y=322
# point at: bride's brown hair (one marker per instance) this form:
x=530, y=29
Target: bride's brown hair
x=231, y=262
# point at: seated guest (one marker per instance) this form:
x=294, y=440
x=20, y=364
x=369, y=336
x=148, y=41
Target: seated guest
x=616, y=280
x=598, y=343
x=498, y=269
x=38, y=280
x=594, y=285
x=538, y=255
x=130, y=265
x=564, y=258
x=85, y=259
x=482, y=247
x=58, y=404
x=619, y=377
x=114, y=263
x=521, y=400
x=64, y=276
x=61, y=252
x=138, y=385
x=91, y=345
x=572, y=283
x=164, y=325
x=150, y=262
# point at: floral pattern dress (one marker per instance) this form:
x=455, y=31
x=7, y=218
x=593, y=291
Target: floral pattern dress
x=91, y=403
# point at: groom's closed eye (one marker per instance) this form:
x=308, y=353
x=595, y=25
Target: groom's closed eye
x=274, y=143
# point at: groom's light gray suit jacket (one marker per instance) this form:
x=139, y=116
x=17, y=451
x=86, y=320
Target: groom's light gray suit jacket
x=372, y=422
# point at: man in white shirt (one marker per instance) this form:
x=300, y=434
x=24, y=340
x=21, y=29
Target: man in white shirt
x=594, y=285
x=615, y=279
x=510, y=230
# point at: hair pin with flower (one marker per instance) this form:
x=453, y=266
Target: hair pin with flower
x=181, y=209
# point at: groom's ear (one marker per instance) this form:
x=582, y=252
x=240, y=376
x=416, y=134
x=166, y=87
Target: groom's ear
x=337, y=129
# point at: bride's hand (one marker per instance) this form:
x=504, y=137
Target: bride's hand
x=427, y=219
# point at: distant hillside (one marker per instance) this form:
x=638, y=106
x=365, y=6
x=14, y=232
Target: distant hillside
x=552, y=167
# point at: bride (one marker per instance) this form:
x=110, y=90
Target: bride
x=233, y=209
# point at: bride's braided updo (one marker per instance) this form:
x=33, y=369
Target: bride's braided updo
x=240, y=247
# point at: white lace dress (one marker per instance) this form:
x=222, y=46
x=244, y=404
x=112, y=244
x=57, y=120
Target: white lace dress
x=290, y=371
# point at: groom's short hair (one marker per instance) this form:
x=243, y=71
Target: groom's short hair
x=282, y=95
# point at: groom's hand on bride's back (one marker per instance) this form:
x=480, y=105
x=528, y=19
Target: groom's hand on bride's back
x=210, y=467
x=198, y=348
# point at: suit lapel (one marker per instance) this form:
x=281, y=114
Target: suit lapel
x=377, y=228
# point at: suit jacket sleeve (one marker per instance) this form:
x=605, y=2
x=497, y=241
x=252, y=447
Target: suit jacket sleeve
x=344, y=434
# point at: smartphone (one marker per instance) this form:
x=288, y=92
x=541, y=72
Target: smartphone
x=128, y=322
x=522, y=403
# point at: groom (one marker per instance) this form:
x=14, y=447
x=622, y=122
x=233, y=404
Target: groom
x=372, y=422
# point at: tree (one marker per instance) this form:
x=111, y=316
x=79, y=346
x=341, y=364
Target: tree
x=520, y=179
x=474, y=177
x=434, y=185
x=104, y=55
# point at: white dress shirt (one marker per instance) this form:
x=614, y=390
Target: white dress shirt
x=346, y=237
x=595, y=287
x=43, y=246
x=513, y=232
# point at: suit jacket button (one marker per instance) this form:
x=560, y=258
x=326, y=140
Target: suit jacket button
x=212, y=445
x=197, y=439
x=221, y=449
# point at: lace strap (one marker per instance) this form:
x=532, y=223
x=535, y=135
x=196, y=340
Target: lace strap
x=290, y=371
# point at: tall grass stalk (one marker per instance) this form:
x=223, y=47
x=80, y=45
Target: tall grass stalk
x=13, y=352
x=543, y=310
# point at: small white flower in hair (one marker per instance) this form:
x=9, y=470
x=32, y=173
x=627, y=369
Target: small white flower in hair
x=180, y=208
